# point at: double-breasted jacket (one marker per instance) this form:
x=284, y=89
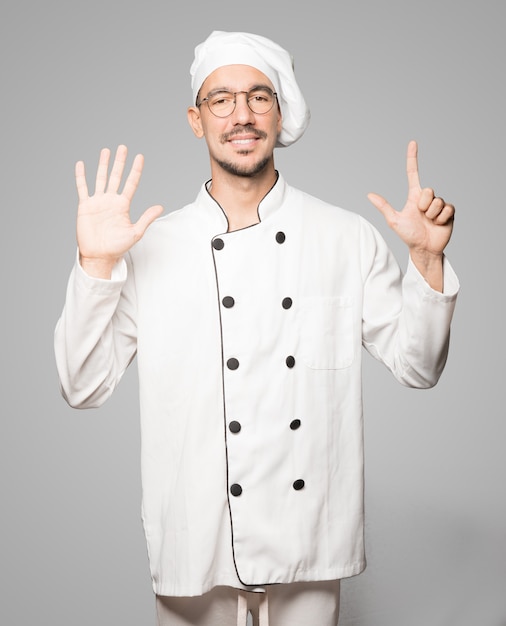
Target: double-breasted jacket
x=249, y=348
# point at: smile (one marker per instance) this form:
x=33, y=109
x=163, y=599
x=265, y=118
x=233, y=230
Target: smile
x=244, y=136
x=244, y=142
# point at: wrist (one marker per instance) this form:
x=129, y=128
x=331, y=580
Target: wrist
x=426, y=257
x=96, y=267
x=430, y=266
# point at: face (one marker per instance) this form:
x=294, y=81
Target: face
x=242, y=143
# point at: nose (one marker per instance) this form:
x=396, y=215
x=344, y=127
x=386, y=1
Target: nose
x=242, y=114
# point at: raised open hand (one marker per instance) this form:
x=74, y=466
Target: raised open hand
x=425, y=223
x=104, y=229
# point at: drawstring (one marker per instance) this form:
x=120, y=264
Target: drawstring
x=242, y=609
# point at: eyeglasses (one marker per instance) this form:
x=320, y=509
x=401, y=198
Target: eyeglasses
x=221, y=103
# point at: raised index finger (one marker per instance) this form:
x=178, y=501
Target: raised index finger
x=412, y=166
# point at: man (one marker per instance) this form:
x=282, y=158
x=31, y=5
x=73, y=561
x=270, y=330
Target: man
x=247, y=310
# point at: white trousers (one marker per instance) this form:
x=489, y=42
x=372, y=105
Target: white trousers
x=295, y=604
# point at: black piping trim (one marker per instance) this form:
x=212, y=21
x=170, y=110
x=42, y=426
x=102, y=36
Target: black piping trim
x=223, y=383
x=258, y=207
x=227, y=476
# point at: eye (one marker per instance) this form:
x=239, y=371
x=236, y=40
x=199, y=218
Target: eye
x=220, y=99
x=259, y=96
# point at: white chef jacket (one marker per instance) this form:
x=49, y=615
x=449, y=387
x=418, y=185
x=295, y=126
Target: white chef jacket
x=249, y=360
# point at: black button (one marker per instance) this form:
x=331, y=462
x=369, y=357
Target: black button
x=228, y=302
x=298, y=484
x=218, y=244
x=295, y=424
x=287, y=303
x=280, y=237
x=290, y=361
x=236, y=489
x=234, y=426
x=232, y=364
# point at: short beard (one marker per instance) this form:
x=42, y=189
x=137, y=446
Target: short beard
x=245, y=172
x=234, y=168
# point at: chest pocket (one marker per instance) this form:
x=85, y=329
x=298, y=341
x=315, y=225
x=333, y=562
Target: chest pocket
x=327, y=332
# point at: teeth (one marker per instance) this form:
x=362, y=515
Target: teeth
x=242, y=140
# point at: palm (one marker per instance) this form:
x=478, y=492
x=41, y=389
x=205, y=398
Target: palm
x=104, y=228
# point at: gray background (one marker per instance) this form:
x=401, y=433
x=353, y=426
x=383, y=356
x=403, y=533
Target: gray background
x=77, y=76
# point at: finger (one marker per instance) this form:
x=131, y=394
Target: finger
x=435, y=208
x=446, y=216
x=383, y=206
x=117, y=169
x=147, y=218
x=82, y=187
x=412, y=167
x=426, y=198
x=132, y=181
x=103, y=166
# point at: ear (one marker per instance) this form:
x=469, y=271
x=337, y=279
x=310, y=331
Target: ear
x=280, y=120
x=195, y=121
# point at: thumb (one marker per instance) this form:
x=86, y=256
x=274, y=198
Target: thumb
x=382, y=205
x=147, y=218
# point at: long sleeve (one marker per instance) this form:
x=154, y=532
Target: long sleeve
x=406, y=324
x=95, y=337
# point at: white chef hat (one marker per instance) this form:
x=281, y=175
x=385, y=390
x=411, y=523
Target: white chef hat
x=223, y=48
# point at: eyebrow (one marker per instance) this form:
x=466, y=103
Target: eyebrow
x=231, y=90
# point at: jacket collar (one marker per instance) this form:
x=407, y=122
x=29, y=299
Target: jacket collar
x=269, y=205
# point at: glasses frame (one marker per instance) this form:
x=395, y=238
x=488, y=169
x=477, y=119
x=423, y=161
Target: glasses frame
x=234, y=93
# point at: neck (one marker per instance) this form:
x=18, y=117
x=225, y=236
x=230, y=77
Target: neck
x=239, y=196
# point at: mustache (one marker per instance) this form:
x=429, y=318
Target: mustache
x=242, y=130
